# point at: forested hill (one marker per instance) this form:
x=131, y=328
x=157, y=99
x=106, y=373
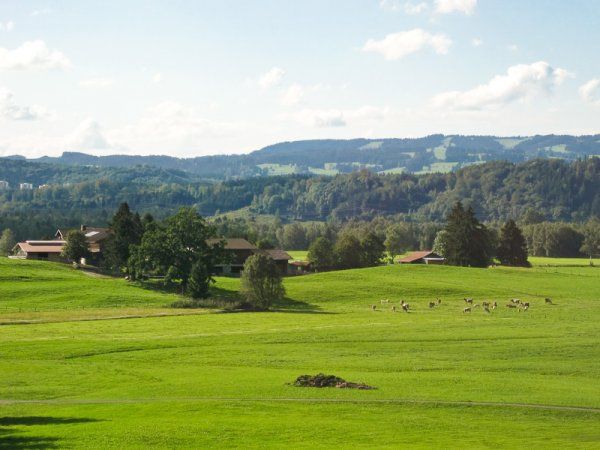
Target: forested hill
x=552, y=189
x=435, y=153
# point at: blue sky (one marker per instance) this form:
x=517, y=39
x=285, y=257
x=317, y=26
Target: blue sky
x=192, y=78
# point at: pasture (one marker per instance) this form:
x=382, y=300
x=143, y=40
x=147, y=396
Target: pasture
x=77, y=372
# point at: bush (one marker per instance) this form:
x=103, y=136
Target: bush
x=261, y=282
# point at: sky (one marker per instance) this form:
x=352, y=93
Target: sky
x=193, y=78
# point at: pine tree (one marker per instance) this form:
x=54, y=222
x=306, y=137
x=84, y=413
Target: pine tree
x=199, y=280
x=512, y=250
x=468, y=241
x=7, y=242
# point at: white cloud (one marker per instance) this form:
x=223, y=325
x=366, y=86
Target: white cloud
x=41, y=12
x=520, y=82
x=451, y=6
x=407, y=7
x=293, y=95
x=9, y=110
x=476, y=42
x=171, y=126
x=96, y=83
x=398, y=45
x=32, y=55
x=157, y=78
x=87, y=136
x=271, y=78
x=590, y=91
x=325, y=118
x=513, y=47
x=7, y=26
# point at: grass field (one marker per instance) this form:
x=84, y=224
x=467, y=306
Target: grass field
x=445, y=379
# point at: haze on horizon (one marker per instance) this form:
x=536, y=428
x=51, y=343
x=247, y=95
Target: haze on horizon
x=193, y=78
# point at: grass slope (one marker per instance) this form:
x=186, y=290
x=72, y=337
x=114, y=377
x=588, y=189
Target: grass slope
x=445, y=379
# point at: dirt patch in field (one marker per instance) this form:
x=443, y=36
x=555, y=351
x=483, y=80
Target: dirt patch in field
x=321, y=380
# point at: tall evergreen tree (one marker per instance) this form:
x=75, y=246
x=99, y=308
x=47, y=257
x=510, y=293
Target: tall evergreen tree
x=468, y=241
x=127, y=230
x=512, y=249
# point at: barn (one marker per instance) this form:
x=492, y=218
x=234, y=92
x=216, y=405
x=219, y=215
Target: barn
x=423, y=257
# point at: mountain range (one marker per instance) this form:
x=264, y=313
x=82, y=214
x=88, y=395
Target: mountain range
x=435, y=153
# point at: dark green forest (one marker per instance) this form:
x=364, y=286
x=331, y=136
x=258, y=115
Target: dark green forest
x=545, y=189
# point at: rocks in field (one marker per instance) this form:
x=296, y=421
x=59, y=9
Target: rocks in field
x=321, y=380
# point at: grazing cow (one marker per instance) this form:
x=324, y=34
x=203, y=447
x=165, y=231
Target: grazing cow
x=432, y=304
x=467, y=309
x=384, y=301
x=439, y=301
x=515, y=301
x=511, y=305
x=525, y=304
x=393, y=308
x=405, y=306
x=476, y=305
x=373, y=307
x=548, y=301
x=469, y=300
x=486, y=309
x=485, y=304
x=494, y=305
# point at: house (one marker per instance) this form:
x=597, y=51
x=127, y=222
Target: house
x=95, y=237
x=240, y=249
x=281, y=258
x=4, y=185
x=44, y=250
x=423, y=257
x=25, y=186
x=51, y=250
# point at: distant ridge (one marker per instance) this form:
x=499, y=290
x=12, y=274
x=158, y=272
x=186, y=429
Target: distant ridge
x=435, y=153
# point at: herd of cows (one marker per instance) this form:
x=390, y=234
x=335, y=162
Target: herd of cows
x=486, y=306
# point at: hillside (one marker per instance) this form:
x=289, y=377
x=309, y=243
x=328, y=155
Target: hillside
x=435, y=153
x=555, y=189
x=514, y=379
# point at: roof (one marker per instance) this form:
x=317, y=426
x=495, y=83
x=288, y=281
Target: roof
x=41, y=246
x=232, y=243
x=415, y=256
x=278, y=255
x=92, y=234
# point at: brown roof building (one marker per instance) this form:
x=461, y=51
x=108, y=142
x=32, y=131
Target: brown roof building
x=423, y=257
x=240, y=250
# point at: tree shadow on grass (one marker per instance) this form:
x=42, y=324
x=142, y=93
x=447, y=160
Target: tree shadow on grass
x=11, y=439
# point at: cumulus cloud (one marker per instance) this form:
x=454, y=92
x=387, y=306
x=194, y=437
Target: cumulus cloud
x=96, y=83
x=32, y=55
x=88, y=136
x=9, y=110
x=7, y=26
x=398, y=45
x=590, y=91
x=406, y=7
x=451, y=6
x=172, y=125
x=271, y=78
x=293, y=95
x=324, y=118
x=520, y=82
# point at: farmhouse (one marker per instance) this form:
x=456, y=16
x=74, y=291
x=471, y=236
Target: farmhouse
x=423, y=257
x=51, y=249
x=44, y=250
x=95, y=237
x=240, y=250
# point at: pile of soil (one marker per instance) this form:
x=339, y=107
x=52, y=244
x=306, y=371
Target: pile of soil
x=321, y=380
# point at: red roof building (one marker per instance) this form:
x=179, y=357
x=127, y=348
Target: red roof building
x=423, y=257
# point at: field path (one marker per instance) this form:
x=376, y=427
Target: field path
x=300, y=400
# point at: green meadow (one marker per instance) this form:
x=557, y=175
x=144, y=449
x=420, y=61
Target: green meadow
x=95, y=362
